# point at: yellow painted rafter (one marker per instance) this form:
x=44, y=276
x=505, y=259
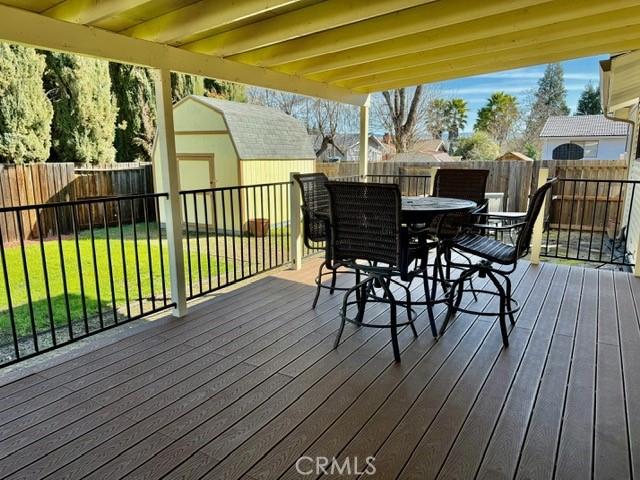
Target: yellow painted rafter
x=199, y=17
x=36, y=30
x=548, y=39
x=581, y=43
x=535, y=58
x=315, y=18
x=89, y=11
x=383, y=28
x=479, y=29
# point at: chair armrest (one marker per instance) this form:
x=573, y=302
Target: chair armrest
x=499, y=228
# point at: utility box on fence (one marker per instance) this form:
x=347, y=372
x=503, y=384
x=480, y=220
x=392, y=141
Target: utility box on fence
x=222, y=144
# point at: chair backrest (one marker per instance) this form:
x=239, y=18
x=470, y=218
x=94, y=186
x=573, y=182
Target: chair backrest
x=365, y=221
x=315, y=198
x=463, y=183
x=523, y=243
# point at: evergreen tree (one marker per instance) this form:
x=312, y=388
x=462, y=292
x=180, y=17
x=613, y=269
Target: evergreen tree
x=549, y=99
x=25, y=110
x=479, y=146
x=498, y=116
x=589, y=102
x=226, y=90
x=182, y=85
x=84, y=110
x=134, y=92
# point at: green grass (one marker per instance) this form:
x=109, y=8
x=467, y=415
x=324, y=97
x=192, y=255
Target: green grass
x=36, y=278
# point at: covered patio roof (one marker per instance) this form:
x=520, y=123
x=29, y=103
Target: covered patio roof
x=332, y=49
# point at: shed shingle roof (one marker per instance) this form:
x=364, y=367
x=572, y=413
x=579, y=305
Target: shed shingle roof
x=262, y=133
x=583, y=126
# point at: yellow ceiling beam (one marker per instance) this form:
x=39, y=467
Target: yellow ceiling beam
x=610, y=23
x=482, y=28
x=487, y=59
x=36, y=30
x=89, y=11
x=383, y=28
x=315, y=18
x=535, y=58
x=200, y=17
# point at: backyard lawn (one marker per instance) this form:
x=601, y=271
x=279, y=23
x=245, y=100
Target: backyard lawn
x=101, y=296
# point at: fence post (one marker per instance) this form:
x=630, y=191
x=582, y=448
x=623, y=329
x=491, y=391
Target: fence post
x=363, y=158
x=170, y=184
x=295, y=224
x=538, y=228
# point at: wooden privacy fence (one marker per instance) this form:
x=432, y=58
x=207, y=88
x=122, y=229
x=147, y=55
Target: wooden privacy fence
x=516, y=179
x=47, y=183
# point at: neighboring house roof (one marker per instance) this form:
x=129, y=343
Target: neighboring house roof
x=514, y=156
x=262, y=133
x=583, y=126
x=428, y=146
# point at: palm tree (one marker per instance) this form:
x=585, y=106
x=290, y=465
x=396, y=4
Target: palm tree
x=498, y=116
x=457, y=113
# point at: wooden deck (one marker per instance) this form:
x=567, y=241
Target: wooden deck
x=249, y=383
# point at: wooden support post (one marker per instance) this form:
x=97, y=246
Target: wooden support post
x=432, y=177
x=636, y=257
x=538, y=228
x=171, y=184
x=295, y=225
x=363, y=159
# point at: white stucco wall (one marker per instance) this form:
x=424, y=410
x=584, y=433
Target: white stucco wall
x=609, y=148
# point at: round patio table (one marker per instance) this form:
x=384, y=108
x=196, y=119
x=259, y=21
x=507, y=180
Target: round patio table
x=417, y=210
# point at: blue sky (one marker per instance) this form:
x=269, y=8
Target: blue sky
x=476, y=90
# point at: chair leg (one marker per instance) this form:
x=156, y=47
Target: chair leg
x=394, y=321
x=334, y=276
x=413, y=327
x=475, y=297
x=362, y=302
x=427, y=297
x=343, y=313
x=318, y=284
x=503, y=300
x=509, y=304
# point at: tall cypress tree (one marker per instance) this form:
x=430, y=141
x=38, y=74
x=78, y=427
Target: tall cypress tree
x=224, y=89
x=84, y=109
x=549, y=99
x=182, y=85
x=25, y=110
x=134, y=92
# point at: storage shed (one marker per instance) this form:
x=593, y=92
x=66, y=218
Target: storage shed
x=220, y=143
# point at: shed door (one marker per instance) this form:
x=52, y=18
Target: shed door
x=197, y=172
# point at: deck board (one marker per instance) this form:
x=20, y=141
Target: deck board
x=249, y=382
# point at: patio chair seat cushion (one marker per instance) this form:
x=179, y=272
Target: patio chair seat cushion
x=485, y=247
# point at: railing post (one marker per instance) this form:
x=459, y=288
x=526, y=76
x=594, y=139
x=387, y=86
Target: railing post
x=170, y=184
x=295, y=224
x=538, y=227
x=432, y=177
x=363, y=158
x=636, y=257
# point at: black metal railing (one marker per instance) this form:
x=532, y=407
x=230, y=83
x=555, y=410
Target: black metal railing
x=410, y=185
x=78, y=267
x=586, y=221
x=233, y=233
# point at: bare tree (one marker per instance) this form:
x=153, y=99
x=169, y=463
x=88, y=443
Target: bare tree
x=323, y=118
x=398, y=112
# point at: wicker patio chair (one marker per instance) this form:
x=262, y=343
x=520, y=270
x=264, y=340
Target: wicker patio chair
x=466, y=184
x=315, y=214
x=367, y=236
x=491, y=252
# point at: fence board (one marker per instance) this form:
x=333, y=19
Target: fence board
x=59, y=182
